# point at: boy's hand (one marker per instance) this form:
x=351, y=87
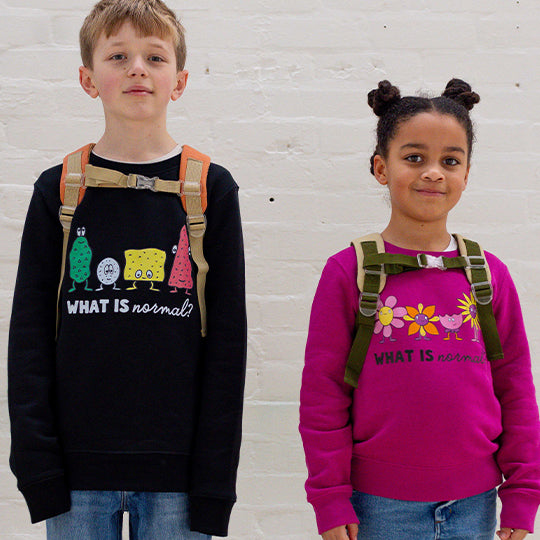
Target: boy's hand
x=512, y=534
x=345, y=532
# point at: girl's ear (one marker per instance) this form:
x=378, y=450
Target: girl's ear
x=466, y=179
x=87, y=83
x=379, y=169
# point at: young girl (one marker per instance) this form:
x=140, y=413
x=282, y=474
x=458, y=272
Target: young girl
x=418, y=448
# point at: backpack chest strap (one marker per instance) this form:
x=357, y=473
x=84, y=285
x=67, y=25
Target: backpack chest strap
x=108, y=178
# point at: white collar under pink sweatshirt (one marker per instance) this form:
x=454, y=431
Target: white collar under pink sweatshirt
x=431, y=419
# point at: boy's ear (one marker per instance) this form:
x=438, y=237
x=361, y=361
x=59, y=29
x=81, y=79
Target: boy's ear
x=181, y=81
x=379, y=169
x=87, y=83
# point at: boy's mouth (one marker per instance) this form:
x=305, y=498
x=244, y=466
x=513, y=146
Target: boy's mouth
x=138, y=90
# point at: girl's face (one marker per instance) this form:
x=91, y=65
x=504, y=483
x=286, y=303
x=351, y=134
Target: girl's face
x=426, y=168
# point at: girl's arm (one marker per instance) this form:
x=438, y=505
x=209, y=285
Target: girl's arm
x=519, y=446
x=345, y=532
x=325, y=400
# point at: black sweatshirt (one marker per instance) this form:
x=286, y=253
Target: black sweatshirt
x=129, y=397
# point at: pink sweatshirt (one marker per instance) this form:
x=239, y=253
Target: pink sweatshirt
x=431, y=419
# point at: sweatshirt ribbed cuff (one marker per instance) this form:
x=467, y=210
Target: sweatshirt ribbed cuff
x=518, y=511
x=210, y=515
x=333, y=511
x=47, y=499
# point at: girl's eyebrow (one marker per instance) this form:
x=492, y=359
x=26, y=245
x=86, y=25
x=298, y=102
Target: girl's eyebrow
x=424, y=147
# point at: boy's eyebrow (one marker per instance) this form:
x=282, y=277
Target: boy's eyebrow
x=154, y=45
x=420, y=146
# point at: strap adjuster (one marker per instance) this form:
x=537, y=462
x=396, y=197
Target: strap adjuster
x=480, y=295
x=372, y=299
x=480, y=261
x=379, y=272
x=196, y=225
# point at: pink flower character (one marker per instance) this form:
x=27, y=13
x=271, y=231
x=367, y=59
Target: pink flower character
x=387, y=317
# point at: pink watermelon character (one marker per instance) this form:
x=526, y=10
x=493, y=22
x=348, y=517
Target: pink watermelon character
x=181, y=270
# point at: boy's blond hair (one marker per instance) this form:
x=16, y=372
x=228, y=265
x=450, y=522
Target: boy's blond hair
x=149, y=17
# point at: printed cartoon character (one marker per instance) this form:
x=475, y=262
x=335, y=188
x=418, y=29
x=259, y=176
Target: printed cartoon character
x=422, y=319
x=181, y=277
x=451, y=324
x=79, y=260
x=108, y=272
x=144, y=265
x=389, y=317
x=470, y=312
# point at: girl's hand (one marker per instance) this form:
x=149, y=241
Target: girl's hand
x=512, y=534
x=345, y=532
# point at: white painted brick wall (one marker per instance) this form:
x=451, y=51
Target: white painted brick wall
x=277, y=93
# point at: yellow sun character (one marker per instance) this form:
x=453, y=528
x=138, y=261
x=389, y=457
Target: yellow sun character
x=422, y=321
x=470, y=312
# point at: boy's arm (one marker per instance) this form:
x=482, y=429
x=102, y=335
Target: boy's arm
x=519, y=445
x=217, y=441
x=35, y=451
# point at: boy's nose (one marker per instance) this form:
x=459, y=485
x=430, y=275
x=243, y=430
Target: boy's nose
x=137, y=68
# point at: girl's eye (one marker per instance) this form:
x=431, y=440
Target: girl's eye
x=414, y=158
x=451, y=161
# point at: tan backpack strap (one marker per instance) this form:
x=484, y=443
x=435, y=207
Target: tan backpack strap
x=357, y=244
x=370, y=284
x=462, y=247
x=71, y=194
x=193, y=172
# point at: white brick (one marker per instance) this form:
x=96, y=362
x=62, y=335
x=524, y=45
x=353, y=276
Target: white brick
x=23, y=27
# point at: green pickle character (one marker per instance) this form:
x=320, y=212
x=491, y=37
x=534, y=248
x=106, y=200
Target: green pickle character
x=79, y=260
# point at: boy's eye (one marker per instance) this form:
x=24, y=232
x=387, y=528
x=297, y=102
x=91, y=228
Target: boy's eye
x=414, y=158
x=117, y=57
x=156, y=59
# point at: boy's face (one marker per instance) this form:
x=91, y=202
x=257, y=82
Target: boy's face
x=134, y=76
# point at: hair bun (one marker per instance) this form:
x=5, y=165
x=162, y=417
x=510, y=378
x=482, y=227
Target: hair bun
x=382, y=98
x=461, y=92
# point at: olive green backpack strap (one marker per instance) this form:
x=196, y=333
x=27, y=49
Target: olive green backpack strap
x=479, y=276
x=72, y=191
x=370, y=283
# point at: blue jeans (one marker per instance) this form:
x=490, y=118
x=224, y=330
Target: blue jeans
x=97, y=515
x=473, y=518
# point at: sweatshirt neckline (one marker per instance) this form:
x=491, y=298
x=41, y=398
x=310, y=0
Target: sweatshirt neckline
x=391, y=248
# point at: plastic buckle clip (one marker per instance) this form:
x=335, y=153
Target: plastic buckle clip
x=422, y=260
x=143, y=182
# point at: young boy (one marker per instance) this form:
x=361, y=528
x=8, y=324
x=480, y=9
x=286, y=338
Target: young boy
x=121, y=404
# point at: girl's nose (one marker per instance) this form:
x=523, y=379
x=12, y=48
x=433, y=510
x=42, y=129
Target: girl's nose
x=432, y=173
